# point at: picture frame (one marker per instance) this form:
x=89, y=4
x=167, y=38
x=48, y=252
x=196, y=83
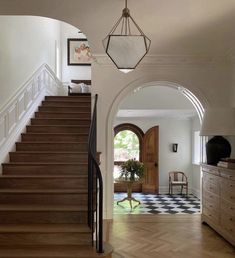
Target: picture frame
x=78, y=52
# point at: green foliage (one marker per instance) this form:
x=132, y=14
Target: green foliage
x=126, y=146
x=132, y=170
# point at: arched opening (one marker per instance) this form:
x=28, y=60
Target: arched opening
x=136, y=134
x=128, y=144
x=132, y=89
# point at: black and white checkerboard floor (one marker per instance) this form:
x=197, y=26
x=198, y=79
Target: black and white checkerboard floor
x=158, y=204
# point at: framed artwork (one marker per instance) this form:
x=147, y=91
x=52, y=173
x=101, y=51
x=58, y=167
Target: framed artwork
x=78, y=52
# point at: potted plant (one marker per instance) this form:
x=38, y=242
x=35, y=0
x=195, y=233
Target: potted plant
x=132, y=170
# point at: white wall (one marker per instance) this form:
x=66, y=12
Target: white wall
x=156, y=97
x=26, y=43
x=170, y=131
x=196, y=171
x=72, y=72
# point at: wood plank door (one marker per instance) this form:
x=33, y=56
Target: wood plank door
x=150, y=159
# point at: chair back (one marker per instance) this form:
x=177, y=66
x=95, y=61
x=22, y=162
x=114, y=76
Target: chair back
x=177, y=176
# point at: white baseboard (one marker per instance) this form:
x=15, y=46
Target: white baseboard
x=196, y=192
x=165, y=190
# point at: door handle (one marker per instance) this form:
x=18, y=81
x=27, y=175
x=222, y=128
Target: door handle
x=155, y=165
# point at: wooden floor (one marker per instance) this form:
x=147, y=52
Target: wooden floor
x=166, y=236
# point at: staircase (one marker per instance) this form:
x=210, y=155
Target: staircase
x=43, y=189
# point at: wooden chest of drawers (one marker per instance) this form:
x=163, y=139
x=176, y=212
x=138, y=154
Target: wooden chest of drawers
x=218, y=200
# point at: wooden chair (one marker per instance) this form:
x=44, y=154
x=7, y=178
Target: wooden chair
x=178, y=178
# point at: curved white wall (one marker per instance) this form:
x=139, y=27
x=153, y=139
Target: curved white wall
x=26, y=43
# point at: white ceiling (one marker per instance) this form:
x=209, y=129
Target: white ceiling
x=176, y=27
x=156, y=102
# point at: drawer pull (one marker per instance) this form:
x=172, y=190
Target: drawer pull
x=231, y=219
x=231, y=185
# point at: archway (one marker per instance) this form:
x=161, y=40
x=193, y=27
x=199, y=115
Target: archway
x=198, y=102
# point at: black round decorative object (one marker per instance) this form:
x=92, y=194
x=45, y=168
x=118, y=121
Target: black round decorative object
x=216, y=148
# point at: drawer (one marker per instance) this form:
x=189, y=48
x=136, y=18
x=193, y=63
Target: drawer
x=211, y=198
x=228, y=174
x=211, y=170
x=209, y=178
x=212, y=205
x=228, y=223
x=211, y=214
x=210, y=187
x=228, y=207
x=228, y=195
x=228, y=190
x=229, y=185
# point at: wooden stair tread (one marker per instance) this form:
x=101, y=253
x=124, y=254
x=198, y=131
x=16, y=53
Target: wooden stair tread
x=55, y=133
x=61, y=100
x=66, y=118
x=53, y=251
x=44, y=228
x=66, y=112
x=27, y=142
x=78, y=142
x=86, y=95
x=45, y=163
x=58, y=106
x=45, y=191
x=43, y=176
x=63, y=126
x=50, y=152
x=34, y=207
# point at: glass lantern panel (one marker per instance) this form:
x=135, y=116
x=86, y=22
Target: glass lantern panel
x=126, y=51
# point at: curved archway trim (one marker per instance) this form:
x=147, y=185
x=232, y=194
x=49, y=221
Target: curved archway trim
x=197, y=97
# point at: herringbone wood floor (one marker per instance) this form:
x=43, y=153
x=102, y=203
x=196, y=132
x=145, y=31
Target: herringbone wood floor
x=166, y=236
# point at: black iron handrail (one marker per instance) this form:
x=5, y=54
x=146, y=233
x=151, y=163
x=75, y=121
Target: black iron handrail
x=95, y=185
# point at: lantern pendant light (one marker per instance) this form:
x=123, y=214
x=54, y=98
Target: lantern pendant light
x=126, y=44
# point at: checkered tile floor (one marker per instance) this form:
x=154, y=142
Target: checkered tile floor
x=157, y=204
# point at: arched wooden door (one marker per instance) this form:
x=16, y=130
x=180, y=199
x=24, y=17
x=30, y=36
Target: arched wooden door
x=150, y=159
